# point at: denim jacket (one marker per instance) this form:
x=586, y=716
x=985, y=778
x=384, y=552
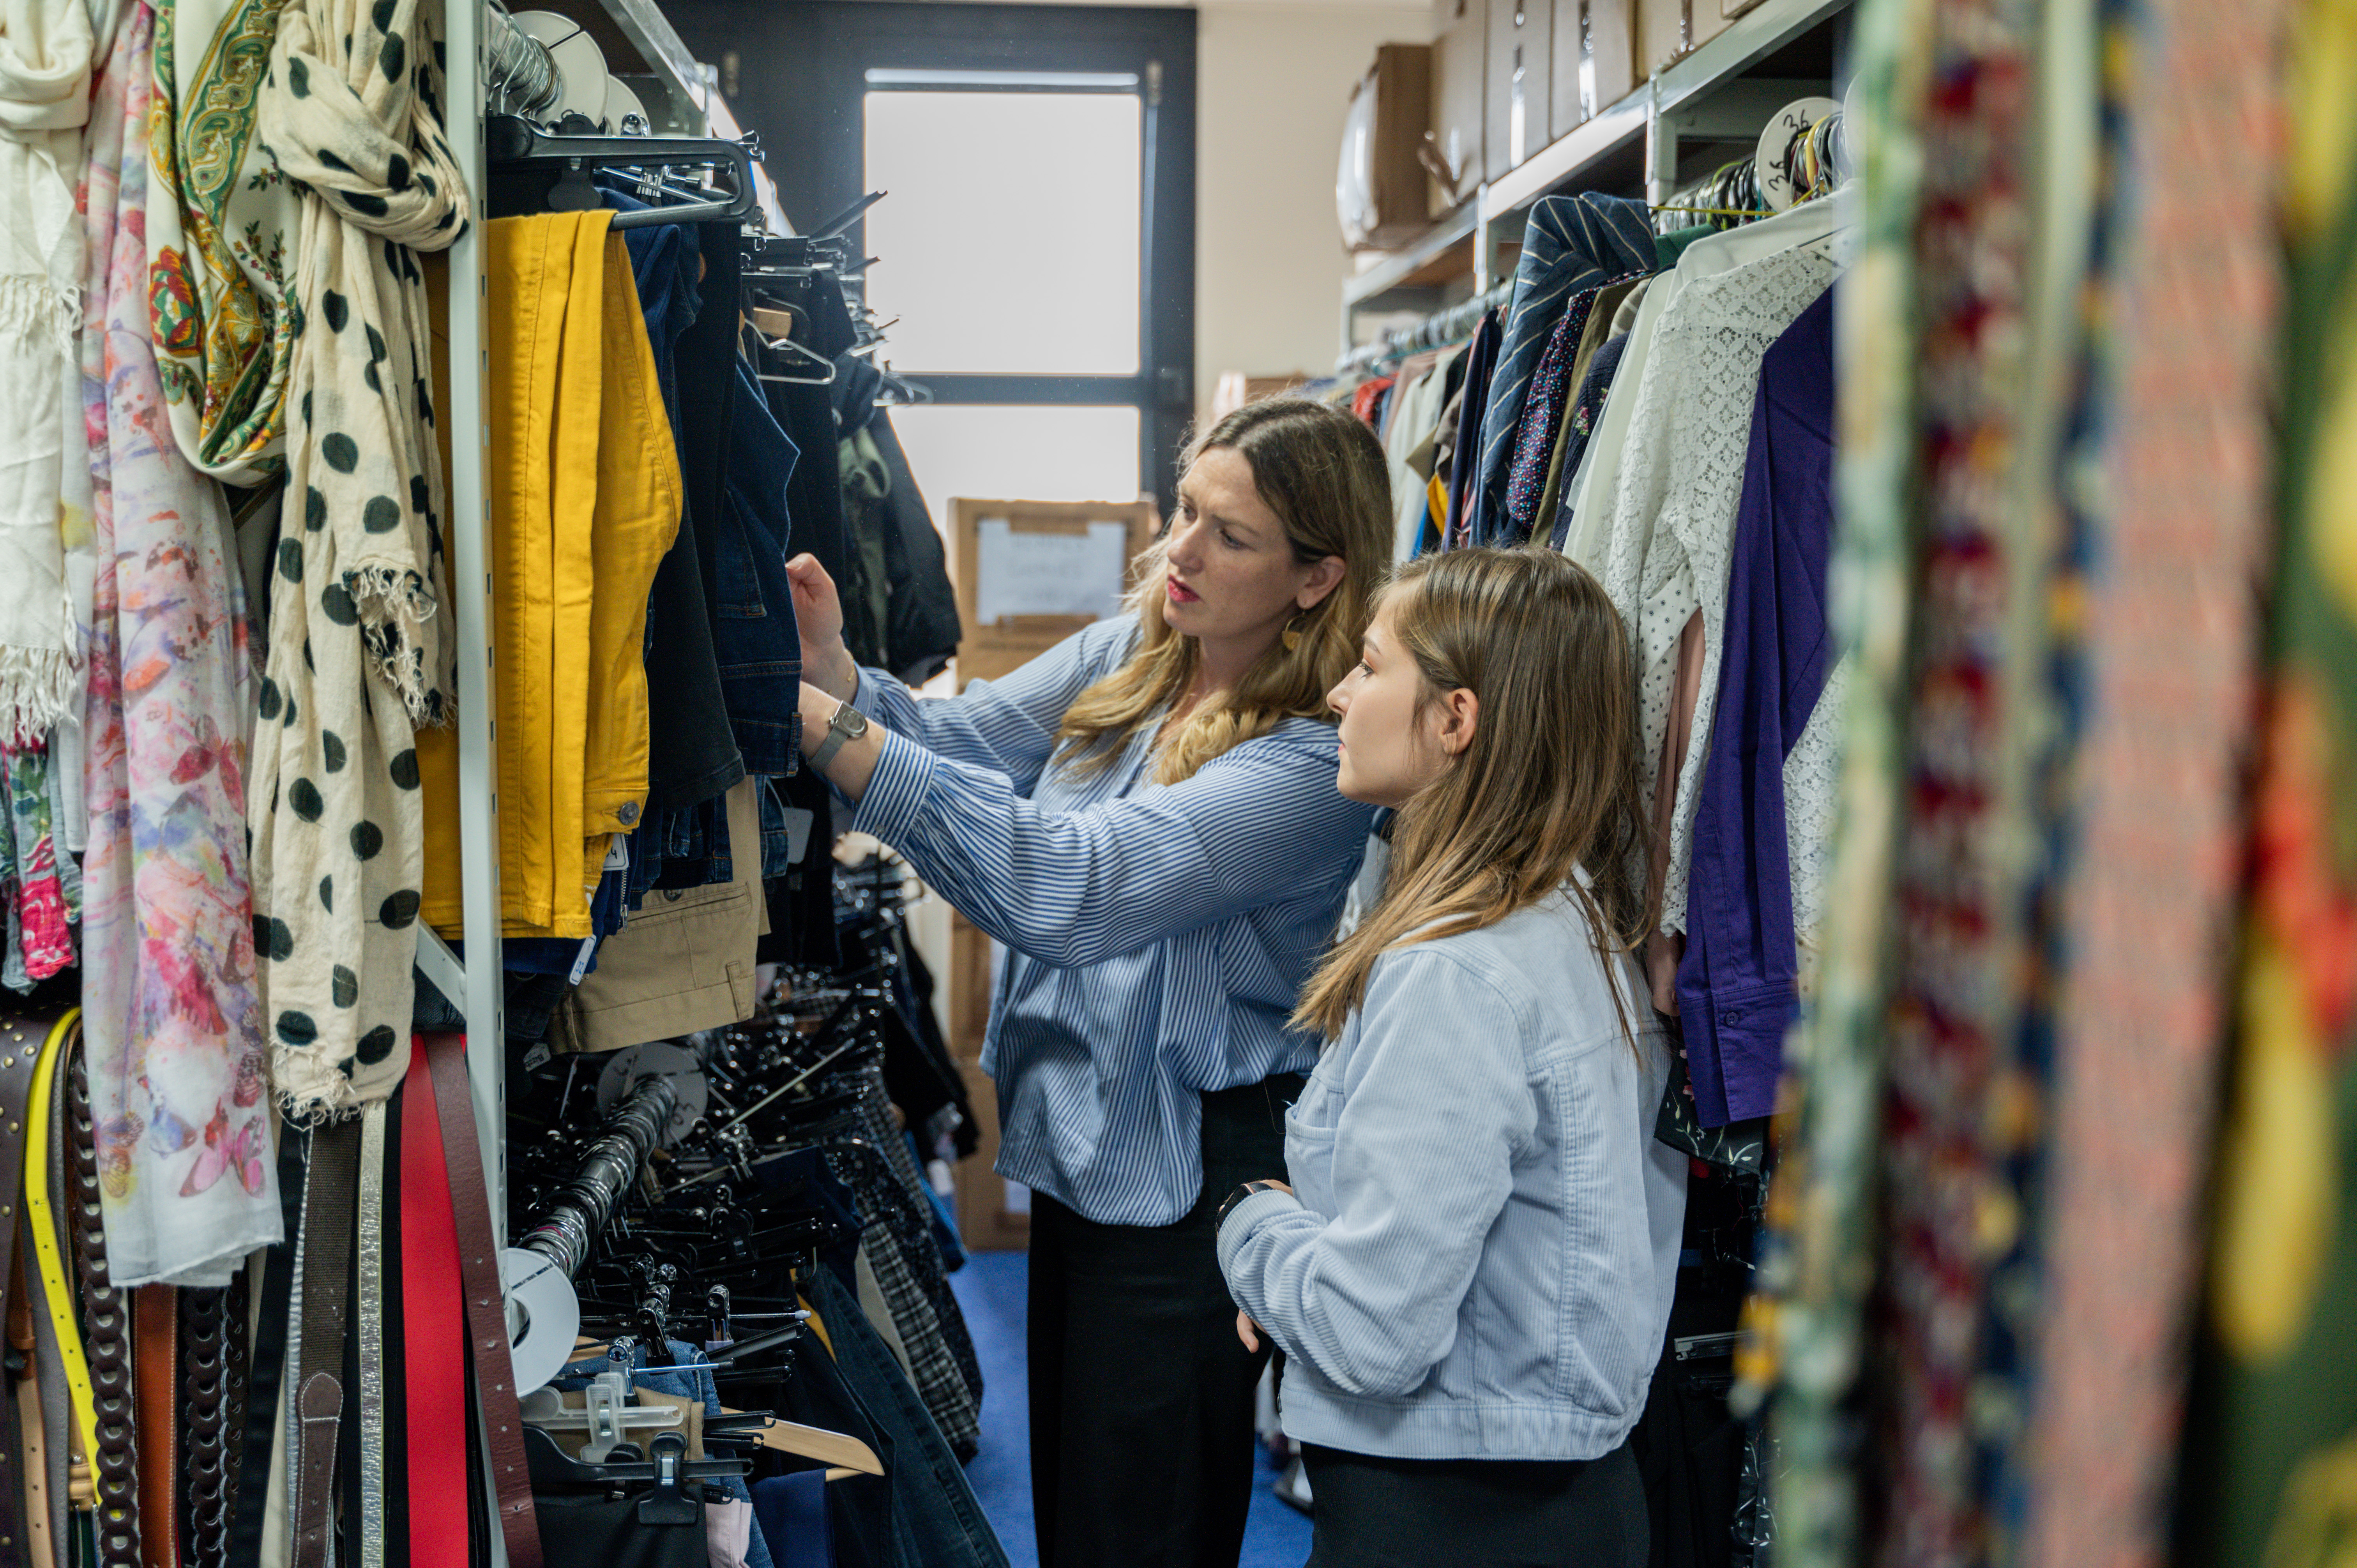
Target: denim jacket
x=1478, y=1257
x=753, y=631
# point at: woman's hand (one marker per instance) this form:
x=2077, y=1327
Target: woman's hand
x=1249, y=1332
x=818, y=615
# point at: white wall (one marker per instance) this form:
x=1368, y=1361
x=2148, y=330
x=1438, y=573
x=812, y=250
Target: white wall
x=1273, y=81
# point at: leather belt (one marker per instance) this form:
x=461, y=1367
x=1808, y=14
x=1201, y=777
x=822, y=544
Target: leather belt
x=208, y=1327
x=156, y=1389
x=21, y=1036
x=40, y=1127
x=27, y=1403
x=256, y=1433
x=106, y=1317
x=329, y=1203
x=370, y=1285
x=434, y=1339
x=478, y=1277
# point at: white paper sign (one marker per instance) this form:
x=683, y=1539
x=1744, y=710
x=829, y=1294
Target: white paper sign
x=1030, y=574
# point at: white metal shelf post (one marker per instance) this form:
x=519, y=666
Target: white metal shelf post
x=477, y=989
x=480, y=992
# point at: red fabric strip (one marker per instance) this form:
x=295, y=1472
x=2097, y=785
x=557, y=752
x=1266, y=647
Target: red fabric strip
x=433, y=1348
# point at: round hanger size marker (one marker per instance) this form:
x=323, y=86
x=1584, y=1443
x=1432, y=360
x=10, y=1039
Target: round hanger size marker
x=657, y=1058
x=580, y=64
x=1776, y=166
x=544, y=1315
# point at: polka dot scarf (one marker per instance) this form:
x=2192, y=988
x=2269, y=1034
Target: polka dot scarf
x=358, y=653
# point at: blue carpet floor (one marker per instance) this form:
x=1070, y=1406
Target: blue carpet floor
x=991, y=1290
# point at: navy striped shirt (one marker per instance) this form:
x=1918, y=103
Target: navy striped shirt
x=1157, y=935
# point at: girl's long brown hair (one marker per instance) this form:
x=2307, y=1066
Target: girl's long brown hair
x=1324, y=476
x=1548, y=787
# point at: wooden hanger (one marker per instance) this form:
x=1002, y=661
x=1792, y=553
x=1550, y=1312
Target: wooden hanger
x=837, y=1450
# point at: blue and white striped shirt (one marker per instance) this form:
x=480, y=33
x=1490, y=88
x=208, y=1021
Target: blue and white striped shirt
x=1157, y=935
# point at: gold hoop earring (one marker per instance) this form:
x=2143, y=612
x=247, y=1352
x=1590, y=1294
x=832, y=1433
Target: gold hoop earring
x=1291, y=636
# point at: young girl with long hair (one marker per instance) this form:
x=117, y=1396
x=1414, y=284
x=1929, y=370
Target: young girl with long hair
x=1471, y=1270
x=1146, y=817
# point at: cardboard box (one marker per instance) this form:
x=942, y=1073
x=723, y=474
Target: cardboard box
x=1454, y=148
x=1382, y=195
x=1595, y=59
x=1236, y=388
x=1669, y=29
x=986, y=537
x=1516, y=123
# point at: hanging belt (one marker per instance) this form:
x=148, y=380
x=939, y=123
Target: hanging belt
x=371, y=1317
x=63, y=1315
x=106, y=1316
x=21, y=1036
x=434, y=1339
x=478, y=1276
x=156, y=1390
x=207, y=1327
x=329, y=1205
x=254, y=1436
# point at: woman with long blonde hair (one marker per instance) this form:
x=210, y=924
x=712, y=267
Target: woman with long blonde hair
x=1471, y=1270
x=1146, y=817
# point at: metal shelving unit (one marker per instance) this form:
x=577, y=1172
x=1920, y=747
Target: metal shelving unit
x=633, y=34
x=1704, y=96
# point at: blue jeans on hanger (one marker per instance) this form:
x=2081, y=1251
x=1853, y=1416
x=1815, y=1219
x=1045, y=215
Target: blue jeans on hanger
x=937, y=1521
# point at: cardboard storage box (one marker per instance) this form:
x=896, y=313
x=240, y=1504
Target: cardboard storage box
x=1453, y=147
x=1380, y=191
x=1516, y=123
x=1667, y=30
x=1595, y=59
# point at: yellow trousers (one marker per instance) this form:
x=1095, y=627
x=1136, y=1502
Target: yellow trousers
x=585, y=498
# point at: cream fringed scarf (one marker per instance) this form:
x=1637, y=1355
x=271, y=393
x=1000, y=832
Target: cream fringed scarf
x=45, y=71
x=357, y=652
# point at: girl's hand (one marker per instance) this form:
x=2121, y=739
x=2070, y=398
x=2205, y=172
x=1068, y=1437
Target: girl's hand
x=818, y=615
x=1248, y=1331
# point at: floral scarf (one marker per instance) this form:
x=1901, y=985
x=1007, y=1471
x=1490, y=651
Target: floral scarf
x=218, y=238
x=171, y=1017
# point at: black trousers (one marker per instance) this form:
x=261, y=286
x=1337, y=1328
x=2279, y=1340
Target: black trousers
x=1141, y=1394
x=1475, y=1513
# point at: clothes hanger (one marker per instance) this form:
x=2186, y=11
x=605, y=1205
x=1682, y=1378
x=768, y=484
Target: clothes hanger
x=836, y=1449
x=520, y=153
x=799, y=354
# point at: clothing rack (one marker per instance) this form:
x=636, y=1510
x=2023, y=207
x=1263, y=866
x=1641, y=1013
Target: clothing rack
x=608, y=1168
x=1435, y=331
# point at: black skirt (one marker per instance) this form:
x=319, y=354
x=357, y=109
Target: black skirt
x=1375, y=1512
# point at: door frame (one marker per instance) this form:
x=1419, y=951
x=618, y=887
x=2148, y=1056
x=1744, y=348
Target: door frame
x=797, y=73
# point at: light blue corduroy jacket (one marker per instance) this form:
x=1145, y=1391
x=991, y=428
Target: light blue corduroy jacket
x=1478, y=1257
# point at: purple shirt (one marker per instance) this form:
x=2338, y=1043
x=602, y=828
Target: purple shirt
x=1738, y=985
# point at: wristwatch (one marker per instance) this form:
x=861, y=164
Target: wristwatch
x=848, y=725
x=1238, y=1196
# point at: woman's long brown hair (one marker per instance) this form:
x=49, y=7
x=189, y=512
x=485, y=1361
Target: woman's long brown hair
x=1549, y=786
x=1324, y=476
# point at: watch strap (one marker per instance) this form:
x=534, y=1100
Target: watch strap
x=1246, y=1190
x=838, y=732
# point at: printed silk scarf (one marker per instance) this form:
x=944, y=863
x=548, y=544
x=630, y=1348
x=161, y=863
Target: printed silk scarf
x=219, y=236
x=171, y=1017
x=45, y=69
x=358, y=656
